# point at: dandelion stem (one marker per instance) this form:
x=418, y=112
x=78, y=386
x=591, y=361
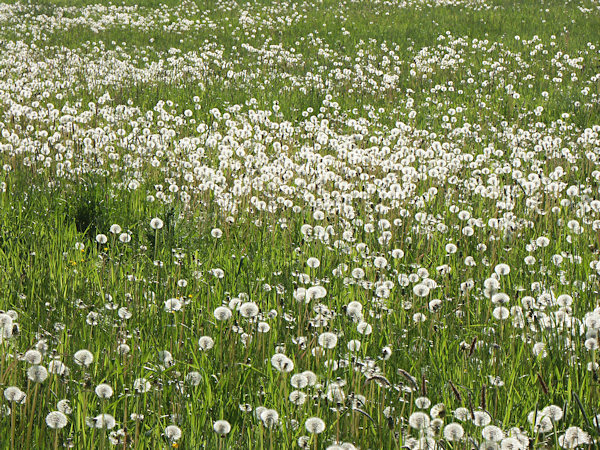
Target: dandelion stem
x=12, y=425
x=32, y=412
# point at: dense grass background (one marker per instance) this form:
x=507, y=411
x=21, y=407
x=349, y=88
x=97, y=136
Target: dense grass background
x=65, y=288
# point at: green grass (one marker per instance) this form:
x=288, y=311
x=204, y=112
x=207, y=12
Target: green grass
x=319, y=129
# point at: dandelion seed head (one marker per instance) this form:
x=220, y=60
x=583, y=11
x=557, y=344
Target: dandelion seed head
x=269, y=418
x=422, y=402
x=206, y=343
x=419, y=420
x=297, y=397
x=249, y=310
x=299, y=381
x=327, y=340
x=173, y=433
x=453, y=432
x=64, y=406
x=222, y=313
x=56, y=420
x=492, y=433
x=156, y=223
x=83, y=358
x=37, y=374
x=314, y=425
x=222, y=427
x=141, y=385
x=104, y=391
x=14, y=394
x=33, y=357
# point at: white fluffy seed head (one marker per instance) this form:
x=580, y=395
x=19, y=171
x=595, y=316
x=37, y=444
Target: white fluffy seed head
x=83, y=358
x=173, y=433
x=222, y=427
x=56, y=420
x=37, y=374
x=314, y=425
x=104, y=391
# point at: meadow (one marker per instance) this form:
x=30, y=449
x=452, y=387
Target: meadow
x=315, y=224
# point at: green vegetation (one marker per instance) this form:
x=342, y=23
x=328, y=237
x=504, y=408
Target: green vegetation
x=383, y=215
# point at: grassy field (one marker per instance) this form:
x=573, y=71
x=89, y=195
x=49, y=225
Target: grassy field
x=316, y=224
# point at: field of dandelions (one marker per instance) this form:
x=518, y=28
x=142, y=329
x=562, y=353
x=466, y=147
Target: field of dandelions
x=317, y=224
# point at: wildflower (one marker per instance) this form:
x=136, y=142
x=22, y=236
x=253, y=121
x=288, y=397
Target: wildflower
x=58, y=367
x=37, y=374
x=304, y=442
x=33, y=357
x=315, y=293
x=492, y=433
x=541, y=423
x=574, y=437
x=314, y=425
x=511, y=443
x=397, y=253
x=489, y=445
x=335, y=394
x=539, y=349
x=422, y=402
x=553, y=412
x=282, y=363
x=380, y=262
x=173, y=305
x=193, y=378
x=354, y=310
x=269, y=417
x=364, y=328
x=222, y=427
x=451, y=248
x=421, y=290
x=297, y=398
x=173, y=433
x=419, y=420
x=56, y=420
x=328, y=340
x=461, y=413
x=123, y=349
x=358, y=273
x=299, y=381
x=263, y=327
x=64, y=406
x=311, y=377
x=14, y=394
x=453, y=432
x=206, y=343
x=501, y=313
x=104, y=391
x=353, y=345
x=141, y=385
x=438, y=411
x=248, y=310
x=386, y=353
x=313, y=263
x=156, y=223
x=101, y=421
x=502, y=269
x=83, y=358
x=222, y=313
x=481, y=418
x=500, y=298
